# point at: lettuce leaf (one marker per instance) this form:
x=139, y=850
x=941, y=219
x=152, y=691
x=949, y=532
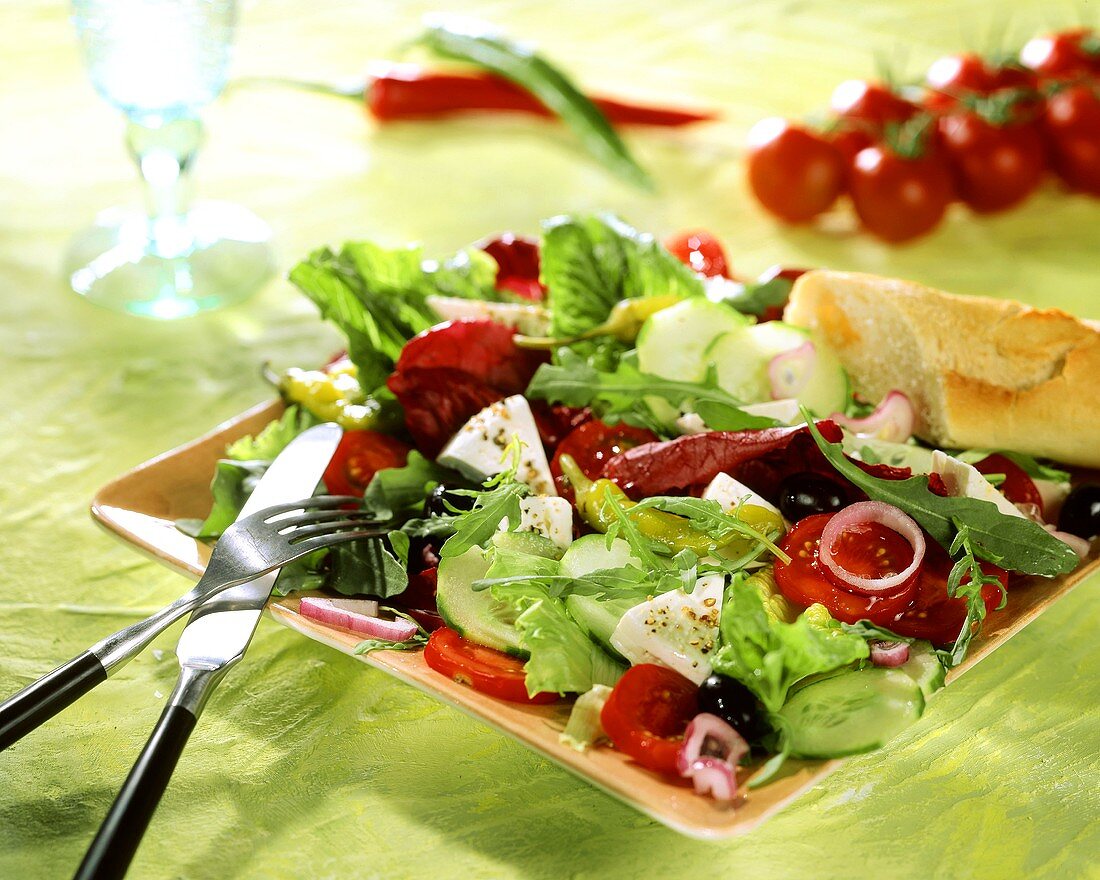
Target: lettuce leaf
x=378, y=296
x=403, y=489
x=768, y=656
x=273, y=439
x=563, y=659
x=591, y=263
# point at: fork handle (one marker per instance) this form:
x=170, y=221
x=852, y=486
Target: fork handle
x=110, y=854
x=40, y=701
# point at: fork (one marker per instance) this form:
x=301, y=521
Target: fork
x=251, y=547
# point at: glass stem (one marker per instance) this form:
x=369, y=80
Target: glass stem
x=164, y=152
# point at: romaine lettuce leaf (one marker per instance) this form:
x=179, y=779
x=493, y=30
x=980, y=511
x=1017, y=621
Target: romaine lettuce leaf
x=768, y=656
x=563, y=659
x=273, y=439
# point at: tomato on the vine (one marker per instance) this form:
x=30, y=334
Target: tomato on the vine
x=592, y=444
x=872, y=103
x=995, y=166
x=899, y=198
x=647, y=713
x=1068, y=53
x=804, y=581
x=1072, y=124
x=794, y=172
x=360, y=455
x=700, y=250
x=484, y=669
x=956, y=76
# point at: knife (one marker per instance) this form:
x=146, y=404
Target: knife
x=213, y=641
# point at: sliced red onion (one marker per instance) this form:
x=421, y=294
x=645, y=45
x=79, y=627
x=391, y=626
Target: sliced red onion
x=714, y=777
x=710, y=754
x=355, y=615
x=893, y=419
x=789, y=372
x=1079, y=545
x=885, y=653
x=871, y=512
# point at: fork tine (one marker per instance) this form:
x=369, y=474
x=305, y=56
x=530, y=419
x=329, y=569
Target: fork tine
x=321, y=542
x=332, y=527
x=309, y=518
x=318, y=502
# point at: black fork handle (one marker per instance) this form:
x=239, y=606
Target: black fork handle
x=109, y=856
x=40, y=701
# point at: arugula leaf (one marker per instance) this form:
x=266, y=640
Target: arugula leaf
x=708, y=517
x=865, y=629
x=563, y=658
x=378, y=296
x=478, y=525
x=523, y=66
x=751, y=298
x=273, y=439
x=233, y=483
x=769, y=656
x=403, y=489
x=590, y=263
x=1029, y=464
x=644, y=549
x=365, y=568
x=620, y=395
x=1013, y=543
x=966, y=579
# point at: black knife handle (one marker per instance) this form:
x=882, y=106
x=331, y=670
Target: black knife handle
x=40, y=701
x=110, y=854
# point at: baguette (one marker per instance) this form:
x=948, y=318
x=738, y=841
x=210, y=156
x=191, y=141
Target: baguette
x=981, y=373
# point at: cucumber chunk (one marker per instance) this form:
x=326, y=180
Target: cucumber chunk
x=590, y=553
x=741, y=358
x=850, y=713
x=527, y=542
x=474, y=614
x=925, y=668
x=598, y=617
x=672, y=342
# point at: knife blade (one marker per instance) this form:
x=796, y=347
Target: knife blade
x=221, y=628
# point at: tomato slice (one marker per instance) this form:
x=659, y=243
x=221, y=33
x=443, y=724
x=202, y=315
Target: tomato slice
x=484, y=669
x=805, y=582
x=591, y=445
x=870, y=550
x=647, y=714
x=360, y=455
x=701, y=251
x=1017, y=487
x=923, y=610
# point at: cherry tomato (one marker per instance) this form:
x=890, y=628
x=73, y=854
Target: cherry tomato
x=872, y=103
x=1017, y=487
x=934, y=616
x=592, y=444
x=996, y=166
x=647, y=714
x=794, y=173
x=484, y=669
x=956, y=76
x=804, y=581
x=1067, y=53
x=359, y=456
x=898, y=198
x=1073, y=126
x=701, y=251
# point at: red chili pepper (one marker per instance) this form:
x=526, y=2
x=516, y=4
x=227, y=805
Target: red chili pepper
x=409, y=92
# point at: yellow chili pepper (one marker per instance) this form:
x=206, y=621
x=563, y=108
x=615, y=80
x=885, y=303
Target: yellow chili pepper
x=334, y=395
x=623, y=323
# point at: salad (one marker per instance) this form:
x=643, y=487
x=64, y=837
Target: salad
x=612, y=473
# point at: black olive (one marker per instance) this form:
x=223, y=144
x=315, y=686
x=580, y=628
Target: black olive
x=734, y=703
x=804, y=494
x=434, y=502
x=1081, y=513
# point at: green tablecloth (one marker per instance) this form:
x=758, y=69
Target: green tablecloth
x=308, y=764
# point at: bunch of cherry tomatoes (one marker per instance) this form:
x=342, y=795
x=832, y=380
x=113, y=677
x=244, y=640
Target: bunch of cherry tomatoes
x=981, y=132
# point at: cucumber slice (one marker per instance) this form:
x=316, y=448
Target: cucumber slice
x=598, y=617
x=854, y=712
x=925, y=668
x=474, y=614
x=530, y=543
x=590, y=553
x=741, y=359
x=672, y=342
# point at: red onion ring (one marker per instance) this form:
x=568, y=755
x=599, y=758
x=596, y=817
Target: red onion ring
x=871, y=512
x=885, y=653
x=892, y=420
x=709, y=756
x=789, y=371
x=356, y=617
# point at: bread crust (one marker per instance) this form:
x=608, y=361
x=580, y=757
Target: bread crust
x=982, y=373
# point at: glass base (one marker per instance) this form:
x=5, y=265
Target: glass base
x=220, y=255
